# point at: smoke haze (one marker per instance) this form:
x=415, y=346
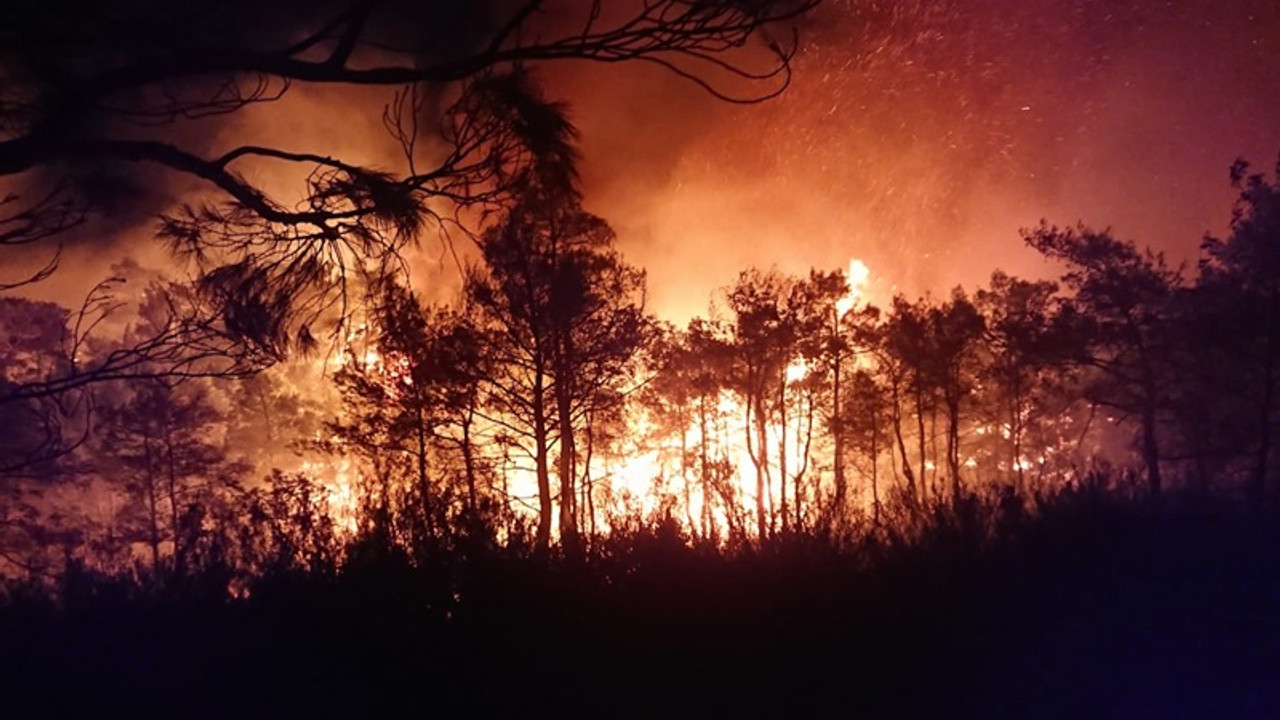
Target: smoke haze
x=920, y=137
x=917, y=136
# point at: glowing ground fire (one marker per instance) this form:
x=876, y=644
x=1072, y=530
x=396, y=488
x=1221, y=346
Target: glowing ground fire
x=648, y=475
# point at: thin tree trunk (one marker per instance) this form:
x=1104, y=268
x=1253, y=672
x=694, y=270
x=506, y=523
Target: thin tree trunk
x=153, y=502
x=902, y=445
x=1015, y=431
x=568, y=470
x=760, y=459
x=837, y=433
x=919, y=394
x=798, y=482
x=424, y=486
x=541, y=464
x=782, y=451
x=588, y=484
x=172, y=479
x=469, y=464
x=875, y=462
x=684, y=475
x=934, y=486
x=707, y=492
x=1151, y=450
x=953, y=443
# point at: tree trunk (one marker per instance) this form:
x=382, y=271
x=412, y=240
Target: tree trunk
x=1015, y=433
x=541, y=465
x=153, y=505
x=705, y=470
x=1151, y=450
x=902, y=444
x=568, y=467
x=469, y=464
x=588, y=484
x=424, y=486
x=934, y=487
x=760, y=460
x=782, y=451
x=953, y=443
x=797, y=482
x=837, y=436
x=171, y=476
x=875, y=462
x=684, y=475
x=919, y=393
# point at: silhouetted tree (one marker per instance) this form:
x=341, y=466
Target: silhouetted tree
x=762, y=343
x=411, y=400
x=32, y=338
x=93, y=94
x=1238, y=293
x=865, y=422
x=1122, y=298
x=909, y=358
x=285, y=522
x=955, y=331
x=811, y=307
x=693, y=373
x=669, y=401
x=55, y=358
x=848, y=343
x=279, y=410
x=563, y=320
x=164, y=442
x=1025, y=338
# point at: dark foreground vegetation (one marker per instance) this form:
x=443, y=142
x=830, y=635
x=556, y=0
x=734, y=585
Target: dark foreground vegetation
x=1095, y=606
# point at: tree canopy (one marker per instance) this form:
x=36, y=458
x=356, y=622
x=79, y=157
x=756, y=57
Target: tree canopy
x=94, y=96
x=120, y=113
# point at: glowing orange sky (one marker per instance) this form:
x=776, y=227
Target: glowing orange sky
x=921, y=138
x=918, y=136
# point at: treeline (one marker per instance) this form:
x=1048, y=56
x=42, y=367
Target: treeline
x=799, y=407
x=546, y=406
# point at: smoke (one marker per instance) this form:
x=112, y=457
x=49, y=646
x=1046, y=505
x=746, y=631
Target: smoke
x=920, y=137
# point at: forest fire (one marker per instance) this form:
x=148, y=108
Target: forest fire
x=540, y=340
x=404, y=416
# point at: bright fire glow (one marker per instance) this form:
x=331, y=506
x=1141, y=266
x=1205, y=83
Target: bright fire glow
x=857, y=278
x=649, y=479
x=339, y=477
x=649, y=473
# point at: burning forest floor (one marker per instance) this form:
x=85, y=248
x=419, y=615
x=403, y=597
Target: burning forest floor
x=1096, y=607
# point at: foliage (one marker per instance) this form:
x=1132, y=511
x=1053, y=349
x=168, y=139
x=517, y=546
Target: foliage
x=1112, y=598
x=105, y=110
x=561, y=317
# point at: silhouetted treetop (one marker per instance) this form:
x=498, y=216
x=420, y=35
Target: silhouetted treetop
x=91, y=93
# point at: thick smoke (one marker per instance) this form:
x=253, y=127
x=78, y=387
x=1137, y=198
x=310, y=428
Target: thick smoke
x=918, y=136
x=922, y=136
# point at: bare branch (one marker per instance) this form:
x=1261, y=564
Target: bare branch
x=278, y=267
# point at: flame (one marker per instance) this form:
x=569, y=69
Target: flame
x=645, y=475
x=797, y=370
x=640, y=477
x=650, y=480
x=339, y=477
x=856, y=278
